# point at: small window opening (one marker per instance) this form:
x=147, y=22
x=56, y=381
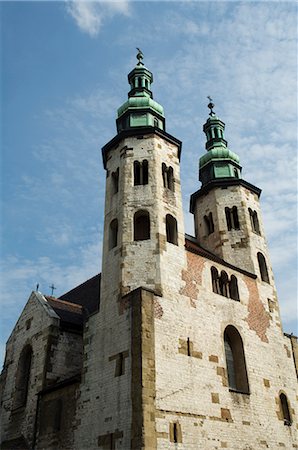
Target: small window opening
x=139, y=82
x=175, y=432
x=188, y=347
x=285, y=409
x=141, y=225
x=215, y=280
x=146, y=84
x=224, y=284
x=263, y=267
x=209, y=225
x=168, y=177
x=255, y=226
x=234, y=293
x=171, y=229
x=113, y=238
x=119, y=365
x=115, y=181
x=236, y=175
x=232, y=218
x=155, y=122
x=140, y=172
x=235, y=360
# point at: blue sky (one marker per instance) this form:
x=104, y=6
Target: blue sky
x=64, y=74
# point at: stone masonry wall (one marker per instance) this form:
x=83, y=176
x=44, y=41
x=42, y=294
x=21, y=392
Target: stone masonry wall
x=192, y=390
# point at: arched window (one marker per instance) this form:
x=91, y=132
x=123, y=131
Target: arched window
x=224, y=284
x=146, y=84
x=141, y=225
x=140, y=172
x=23, y=377
x=113, y=236
x=232, y=218
x=234, y=293
x=285, y=409
x=115, y=181
x=236, y=175
x=235, y=360
x=171, y=229
x=255, y=226
x=170, y=177
x=164, y=174
x=209, y=225
x=215, y=280
x=155, y=122
x=263, y=267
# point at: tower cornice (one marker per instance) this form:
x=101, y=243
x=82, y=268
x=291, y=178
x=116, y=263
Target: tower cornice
x=139, y=131
x=224, y=183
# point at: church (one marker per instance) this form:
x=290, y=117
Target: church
x=178, y=343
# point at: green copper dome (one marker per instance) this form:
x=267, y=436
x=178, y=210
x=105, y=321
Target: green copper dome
x=140, y=102
x=221, y=153
x=140, y=110
x=219, y=162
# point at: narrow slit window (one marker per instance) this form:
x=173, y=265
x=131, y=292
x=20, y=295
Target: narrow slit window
x=170, y=176
x=215, y=280
x=234, y=292
x=171, y=229
x=188, y=347
x=113, y=238
x=115, y=181
x=209, y=225
x=224, y=284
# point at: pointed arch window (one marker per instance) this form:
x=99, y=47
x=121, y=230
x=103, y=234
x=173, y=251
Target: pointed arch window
x=23, y=377
x=234, y=293
x=232, y=218
x=209, y=224
x=263, y=267
x=140, y=169
x=215, y=280
x=255, y=226
x=171, y=229
x=285, y=409
x=235, y=360
x=224, y=284
x=113, y=236
x=141, y=225
x=115, y=181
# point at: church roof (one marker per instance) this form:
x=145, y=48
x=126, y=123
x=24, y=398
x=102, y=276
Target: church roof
x=86, y=294
x=69, y=313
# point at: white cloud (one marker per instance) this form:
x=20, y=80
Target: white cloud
x=89, y=15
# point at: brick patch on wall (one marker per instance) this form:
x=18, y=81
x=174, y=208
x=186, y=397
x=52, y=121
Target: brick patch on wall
x=192, y=277
x=258, y=318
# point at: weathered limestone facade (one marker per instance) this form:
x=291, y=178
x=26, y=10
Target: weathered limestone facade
x=183, y=346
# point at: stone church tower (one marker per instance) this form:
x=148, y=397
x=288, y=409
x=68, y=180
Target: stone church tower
x=178, y=343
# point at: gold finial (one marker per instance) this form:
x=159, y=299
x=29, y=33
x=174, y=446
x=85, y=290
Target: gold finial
x=140, y=56
x=211, y=106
